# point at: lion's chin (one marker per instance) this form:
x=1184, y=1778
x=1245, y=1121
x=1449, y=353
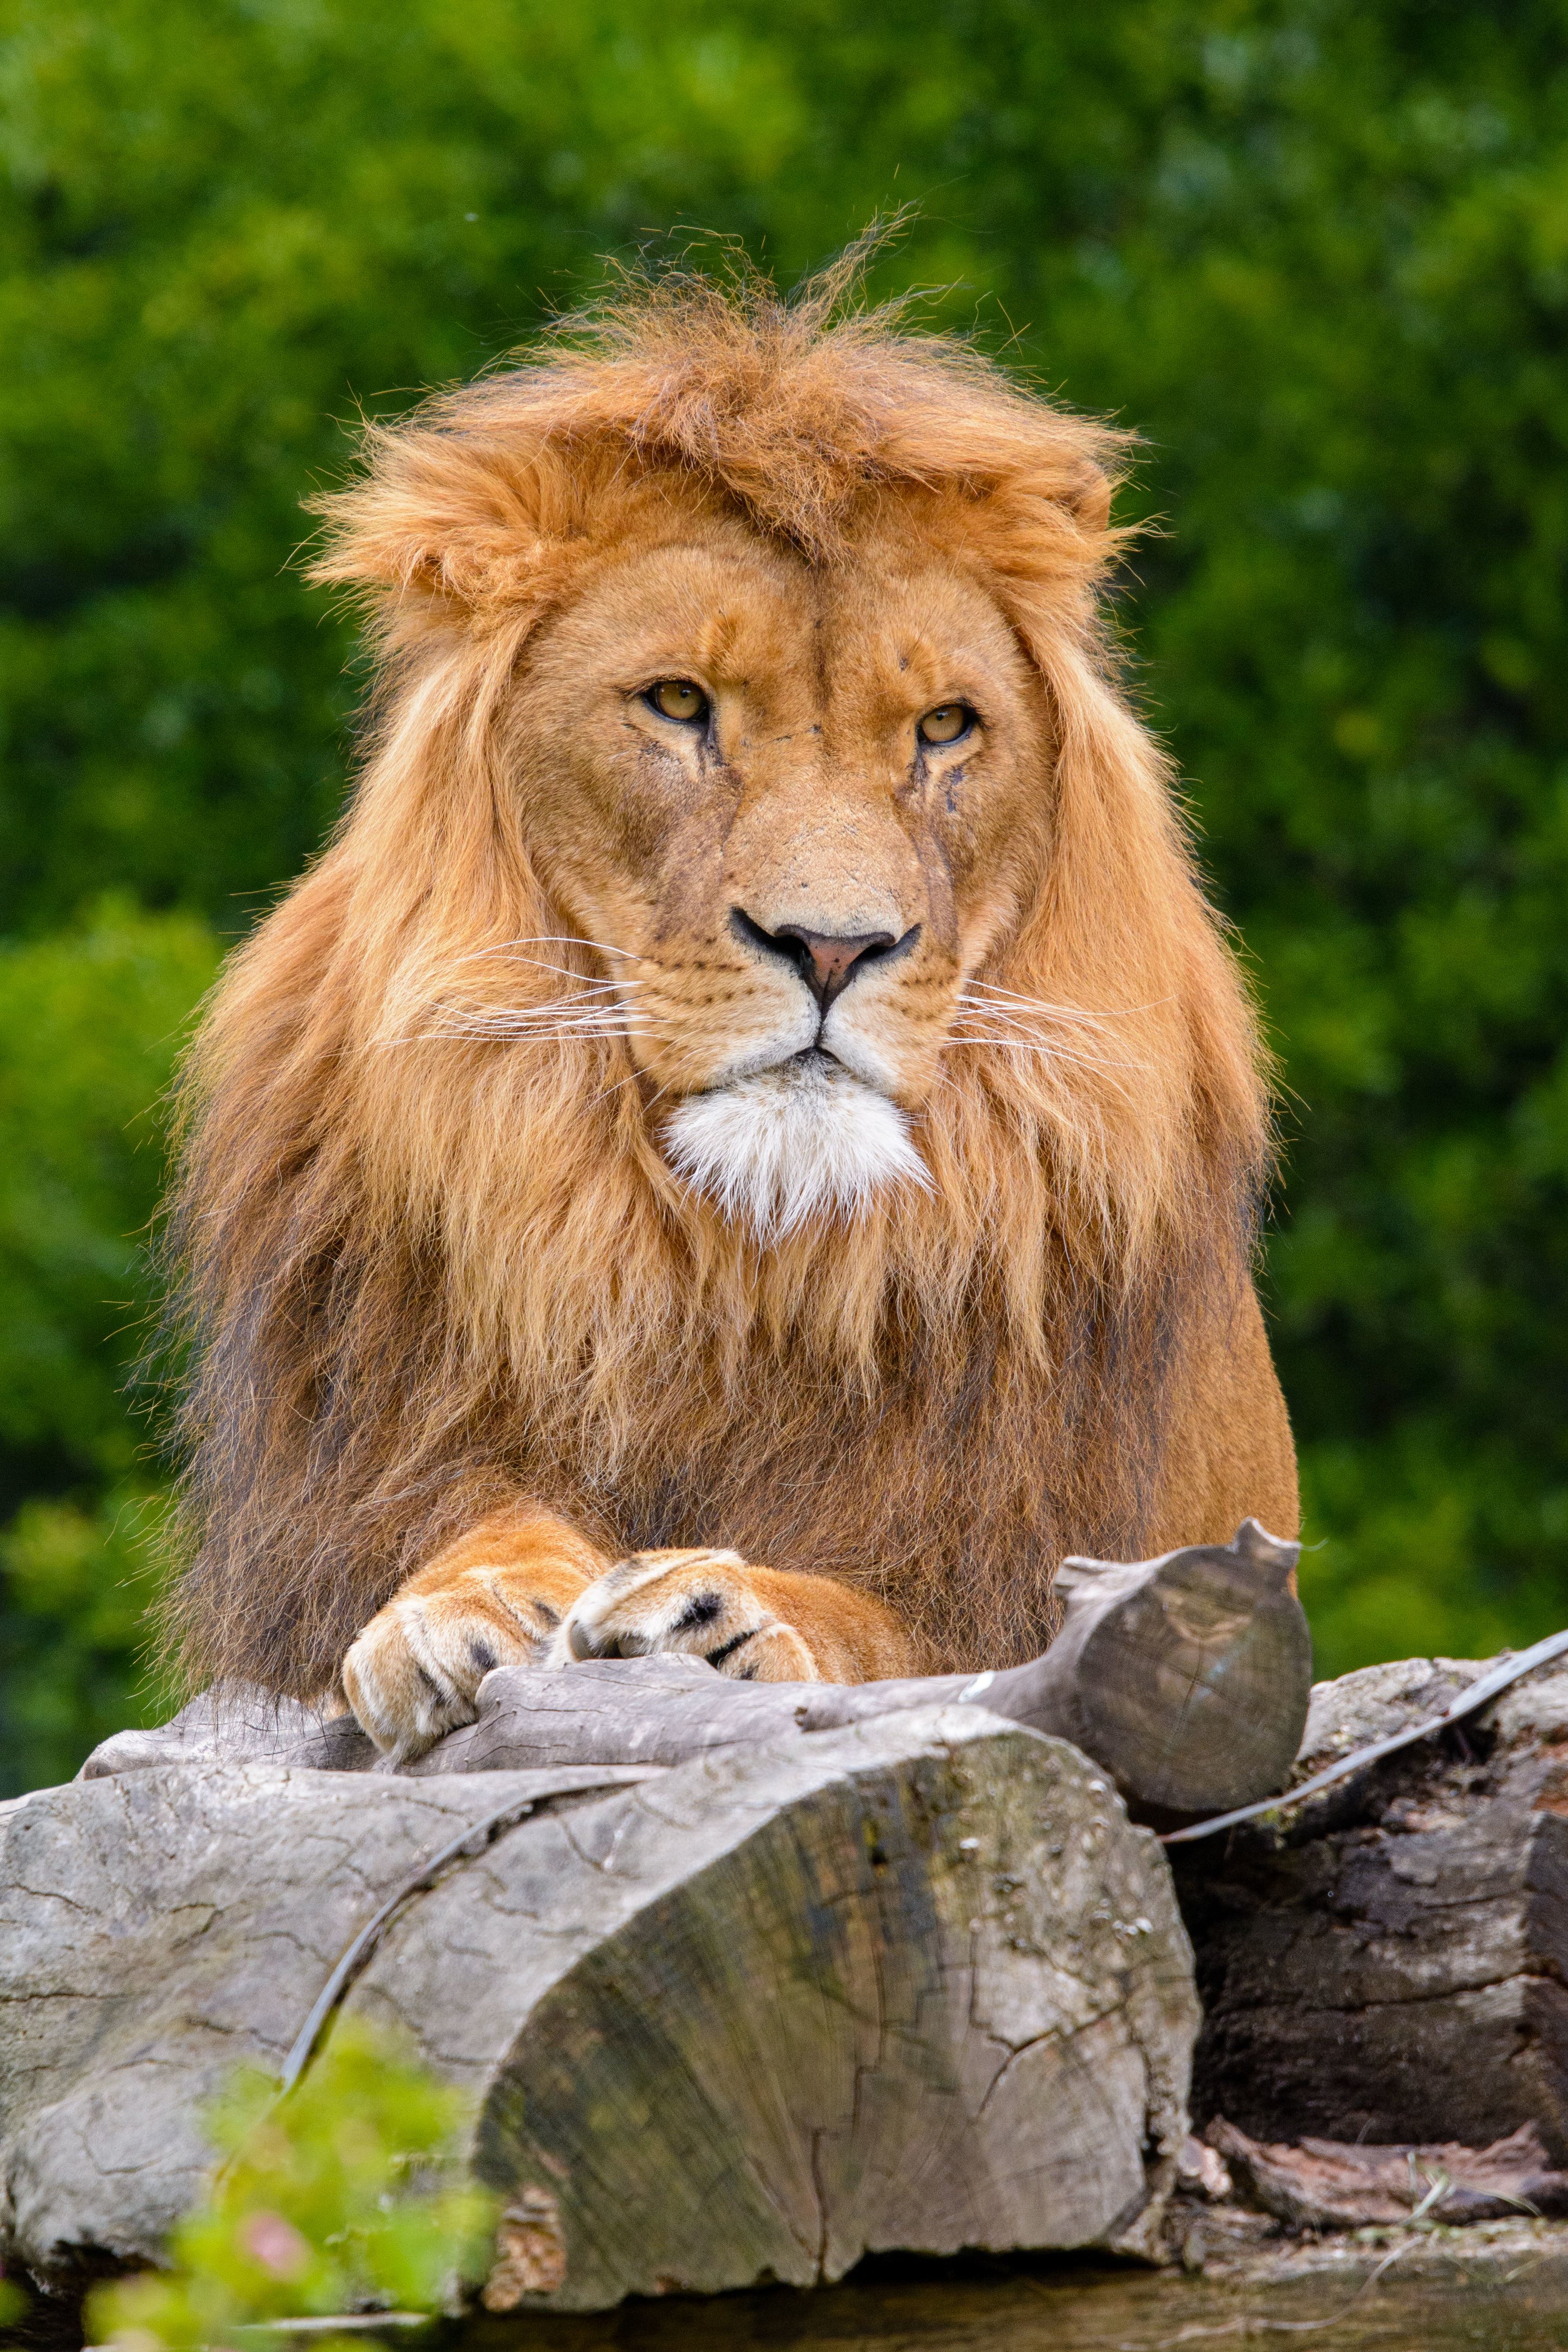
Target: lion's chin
x=804, y=1139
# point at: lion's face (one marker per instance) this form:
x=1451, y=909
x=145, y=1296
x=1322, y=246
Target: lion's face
x=792, y=808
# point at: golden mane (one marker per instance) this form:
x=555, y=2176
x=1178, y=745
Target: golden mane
x=423, y=1268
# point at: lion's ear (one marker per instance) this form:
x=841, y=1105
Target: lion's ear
x=454, y=524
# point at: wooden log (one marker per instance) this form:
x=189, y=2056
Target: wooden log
x=1331, y=2184
x=1186, y=1677
x=1390, y=1965
x=915, y=1983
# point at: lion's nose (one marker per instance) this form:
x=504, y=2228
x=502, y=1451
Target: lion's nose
x=826, y=960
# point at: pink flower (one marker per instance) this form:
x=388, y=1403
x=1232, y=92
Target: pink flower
x=275, y=2243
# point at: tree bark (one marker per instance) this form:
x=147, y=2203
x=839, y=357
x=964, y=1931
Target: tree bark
x=913, y=1982
x=1390, y=1964
x=1186, y=1677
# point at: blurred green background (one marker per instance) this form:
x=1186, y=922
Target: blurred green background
x=1315, y=252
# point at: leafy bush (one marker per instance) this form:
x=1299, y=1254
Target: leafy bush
x=77, y=1580
x=90, y=1023
x=343, y=2197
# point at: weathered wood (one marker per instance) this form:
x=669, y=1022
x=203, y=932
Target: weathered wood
x=1332, y=2185
x=1391, y=1965
x=915, y=1983
x=1186, y=1677
x=1470, y=1699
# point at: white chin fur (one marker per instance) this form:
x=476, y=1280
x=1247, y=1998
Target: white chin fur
x=790, y=1143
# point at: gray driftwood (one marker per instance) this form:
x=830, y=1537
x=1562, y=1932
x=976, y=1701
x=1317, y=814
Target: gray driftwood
x=1391, y=1964
x=915, y=1983
x=1186, y=1677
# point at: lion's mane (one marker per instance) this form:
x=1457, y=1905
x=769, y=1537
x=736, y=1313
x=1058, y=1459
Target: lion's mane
x=423, y=1268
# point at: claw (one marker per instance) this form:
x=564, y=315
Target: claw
x=696, y=1603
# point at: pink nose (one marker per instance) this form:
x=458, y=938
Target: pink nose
x=832, y=959
x=826, y=960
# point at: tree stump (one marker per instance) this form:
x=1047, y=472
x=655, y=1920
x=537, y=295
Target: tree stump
x=1390, y=1963
x=914, y=1982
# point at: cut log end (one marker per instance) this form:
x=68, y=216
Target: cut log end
x=942, y=2003
x=1188, y=1676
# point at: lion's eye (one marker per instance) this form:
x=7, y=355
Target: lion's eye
x=677, y=697
x=945, y=723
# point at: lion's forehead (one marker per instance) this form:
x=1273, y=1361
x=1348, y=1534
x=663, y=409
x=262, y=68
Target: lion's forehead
x=888, y=620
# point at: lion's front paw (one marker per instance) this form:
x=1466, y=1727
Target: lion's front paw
x=704, y=1604
x=414, y=1673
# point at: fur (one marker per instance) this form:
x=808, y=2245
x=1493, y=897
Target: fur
x=434, y=1250
x=783, y=1146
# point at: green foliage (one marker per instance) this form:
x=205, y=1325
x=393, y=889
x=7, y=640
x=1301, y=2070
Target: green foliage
x=91, y=1020
x=345, y=2196
x=77, y=1583
x=1315, y=250
x=89, y=1025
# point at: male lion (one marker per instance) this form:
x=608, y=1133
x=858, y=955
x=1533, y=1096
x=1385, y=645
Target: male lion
x=754, y=1067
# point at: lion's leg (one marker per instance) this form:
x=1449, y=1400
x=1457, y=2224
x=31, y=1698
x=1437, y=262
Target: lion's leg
x=494, y=1598
x=757, y=1624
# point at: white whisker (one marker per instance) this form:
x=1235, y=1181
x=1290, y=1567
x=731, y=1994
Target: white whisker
x=1046, y=1051
x=524, y=1036
x=616, y=1084
x=564, y=972
x=541, y=1032
x=972, y=1031
x=558, y=1009
x=558, y=1021
x=563, y=939
x=1077, y=1012
x=1046, y=1055
x=549, y=940
x=996, y=1016
x=1002, y=1020
x=531, y=1016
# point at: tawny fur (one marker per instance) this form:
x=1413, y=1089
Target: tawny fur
x=436, y=1260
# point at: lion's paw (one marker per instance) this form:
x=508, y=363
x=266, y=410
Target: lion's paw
x=702, y=1604
x=413, y=1673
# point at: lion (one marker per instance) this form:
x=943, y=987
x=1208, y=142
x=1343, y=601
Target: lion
x=749, y=1141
